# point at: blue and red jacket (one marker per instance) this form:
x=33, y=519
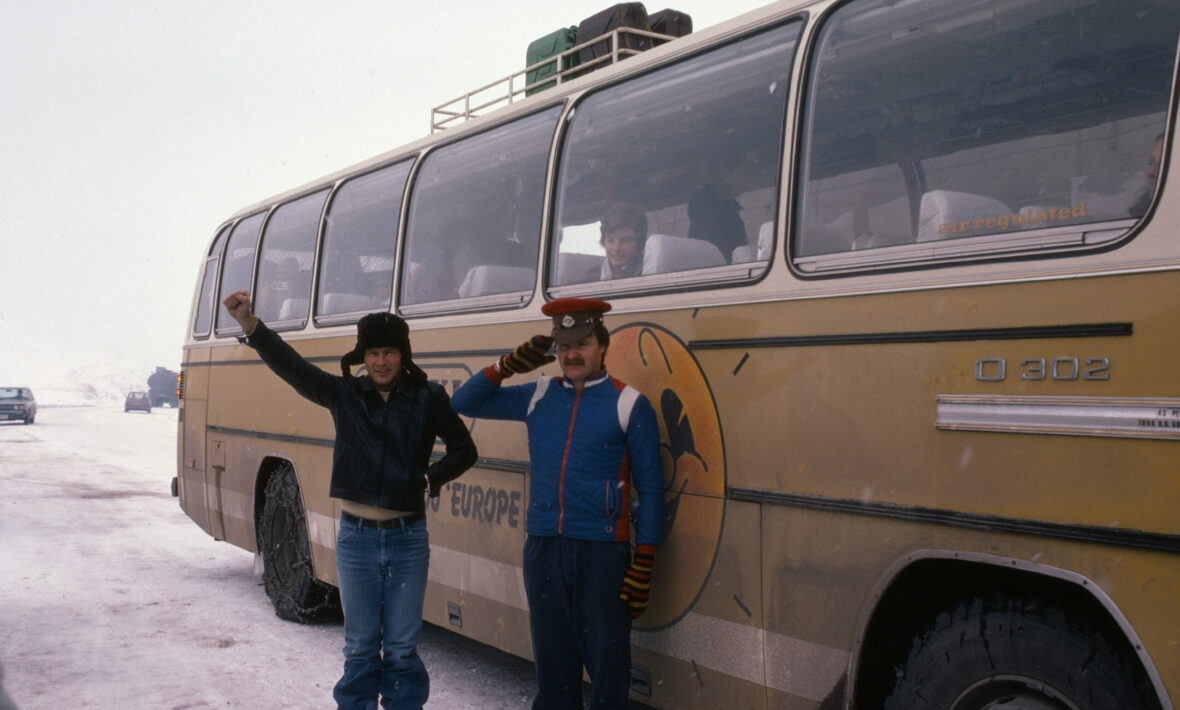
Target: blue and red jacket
x=587, y=450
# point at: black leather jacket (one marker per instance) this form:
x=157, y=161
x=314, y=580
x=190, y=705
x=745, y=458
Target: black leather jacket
x=382, y=452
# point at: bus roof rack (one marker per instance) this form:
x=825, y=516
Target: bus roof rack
x=503, y=92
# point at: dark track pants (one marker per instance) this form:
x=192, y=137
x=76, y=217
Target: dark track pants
x=577, y=619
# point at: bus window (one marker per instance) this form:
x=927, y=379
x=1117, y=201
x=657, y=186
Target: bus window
x=696, y=146
x=204, y=313
x=360, y=234
x=237, y=267
x=205, y=301
x=475, y=219
x=282, y=294
x=1006, y=129
x=219, y=242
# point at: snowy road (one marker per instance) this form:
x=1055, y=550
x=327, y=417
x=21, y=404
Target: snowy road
x=110, y=597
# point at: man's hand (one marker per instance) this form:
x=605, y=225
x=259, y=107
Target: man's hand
x=637, y=580
x=527, y=357
x=238, y=305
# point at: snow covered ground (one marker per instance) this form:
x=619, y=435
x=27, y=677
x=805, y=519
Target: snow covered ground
x=110, y=597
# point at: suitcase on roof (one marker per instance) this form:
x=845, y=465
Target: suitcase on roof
x=670, y=22
x=545, y=47
x=628, y=14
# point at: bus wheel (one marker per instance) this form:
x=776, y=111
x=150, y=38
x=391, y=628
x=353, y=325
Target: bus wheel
x=287, y=574
x=1019, y=654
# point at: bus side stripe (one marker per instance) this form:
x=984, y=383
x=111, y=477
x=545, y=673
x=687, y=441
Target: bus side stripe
x=1160, y=542
x=1084, y=330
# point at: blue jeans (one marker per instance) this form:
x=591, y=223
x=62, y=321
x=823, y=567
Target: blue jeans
x=576, y=618
x=382, y=586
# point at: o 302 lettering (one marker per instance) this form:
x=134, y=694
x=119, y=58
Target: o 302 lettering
x=1062, y=369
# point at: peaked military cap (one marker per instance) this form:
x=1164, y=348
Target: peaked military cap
x=574, y=318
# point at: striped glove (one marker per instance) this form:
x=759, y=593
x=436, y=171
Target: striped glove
x=529, y=356
x=637, y=580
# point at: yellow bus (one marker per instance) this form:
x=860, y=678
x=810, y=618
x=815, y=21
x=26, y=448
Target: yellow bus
x=907, y=309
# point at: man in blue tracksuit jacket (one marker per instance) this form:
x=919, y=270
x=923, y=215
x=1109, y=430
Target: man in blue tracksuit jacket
x=592, y=439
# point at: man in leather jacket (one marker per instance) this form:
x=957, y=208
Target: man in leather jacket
x=386, y=425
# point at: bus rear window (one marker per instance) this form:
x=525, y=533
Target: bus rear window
x=203, y=316
x=951, y=129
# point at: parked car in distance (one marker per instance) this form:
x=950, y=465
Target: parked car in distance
x=17, y=403
x=141, y=401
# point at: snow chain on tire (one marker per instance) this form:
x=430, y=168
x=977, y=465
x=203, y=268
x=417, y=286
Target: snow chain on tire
x=287, y=570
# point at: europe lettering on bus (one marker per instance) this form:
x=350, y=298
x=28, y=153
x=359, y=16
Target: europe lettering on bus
x=481, y=504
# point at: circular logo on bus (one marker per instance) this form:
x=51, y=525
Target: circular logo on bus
x=657, y=363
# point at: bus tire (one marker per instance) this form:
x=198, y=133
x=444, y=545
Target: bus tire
x=286, y=555
x=1009, y=652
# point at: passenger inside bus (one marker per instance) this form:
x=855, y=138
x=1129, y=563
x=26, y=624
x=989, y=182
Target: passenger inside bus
x=284, y=293
x=463, y=261
x=442, y=265
x=341, y=288
x=714, y=213
x=498, y=261
x=624, y=235
x=1153, y=175
x=1112, y=193
x=379, y=287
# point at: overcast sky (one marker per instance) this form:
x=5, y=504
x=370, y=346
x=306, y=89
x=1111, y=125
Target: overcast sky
x=130, y=129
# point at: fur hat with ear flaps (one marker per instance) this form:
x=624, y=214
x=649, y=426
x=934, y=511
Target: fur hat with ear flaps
x=382, y=330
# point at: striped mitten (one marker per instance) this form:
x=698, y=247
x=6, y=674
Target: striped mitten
x=637, y=580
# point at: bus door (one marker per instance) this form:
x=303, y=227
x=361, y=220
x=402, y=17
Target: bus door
x=194, y=393
x=214, y=471
x=193, y=407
